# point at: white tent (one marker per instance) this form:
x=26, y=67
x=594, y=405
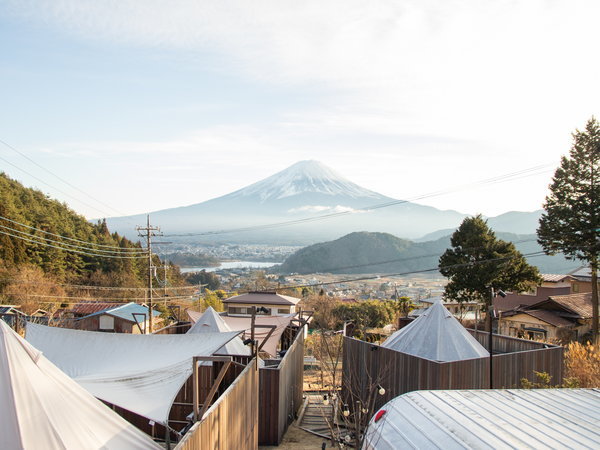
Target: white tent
x=488, y=419
x=243, y=323
x=44, y=408
x=436, y=335
x=141, y=373
x=211, y=322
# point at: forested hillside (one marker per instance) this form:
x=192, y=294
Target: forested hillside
x=44, y=244
x=366, y=252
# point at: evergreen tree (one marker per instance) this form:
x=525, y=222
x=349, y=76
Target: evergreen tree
x=478, y=261
x=571, y=222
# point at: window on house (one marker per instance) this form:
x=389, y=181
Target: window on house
x=106, y=323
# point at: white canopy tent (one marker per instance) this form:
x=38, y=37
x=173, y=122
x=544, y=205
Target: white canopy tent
x=244, y=323
x=141, y=373
x=44, y=408
x=211, y=322
x=436, y=335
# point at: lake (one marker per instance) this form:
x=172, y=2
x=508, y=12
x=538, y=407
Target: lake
x=231, y=265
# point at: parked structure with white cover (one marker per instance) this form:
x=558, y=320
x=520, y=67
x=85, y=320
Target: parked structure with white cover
x=42, y=408
x=436, y=335
x=488, y=419
x=141, y=373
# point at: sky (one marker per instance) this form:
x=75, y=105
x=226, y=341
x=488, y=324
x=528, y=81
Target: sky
x=120, y=107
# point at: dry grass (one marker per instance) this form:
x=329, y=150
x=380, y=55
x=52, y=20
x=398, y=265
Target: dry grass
x=582, y=363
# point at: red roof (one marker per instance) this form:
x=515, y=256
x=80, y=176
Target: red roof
x=86, y=308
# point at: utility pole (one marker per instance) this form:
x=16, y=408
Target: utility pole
x=148, y=233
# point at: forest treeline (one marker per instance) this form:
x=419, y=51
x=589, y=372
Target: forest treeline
x=46, y=244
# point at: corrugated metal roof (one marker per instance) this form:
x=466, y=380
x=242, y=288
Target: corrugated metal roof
x=126, y=311
x=86, y=308
x=554, y=278
x=489, y=419
x=262, y=298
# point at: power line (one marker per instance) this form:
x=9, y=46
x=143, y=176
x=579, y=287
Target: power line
x=50, y=186
x=70, y=249
x=67, y=246
x=434, y=269
x=89, y=287
x=59, y=178
x=71, y=239
x=96, y=299
x=536, y=170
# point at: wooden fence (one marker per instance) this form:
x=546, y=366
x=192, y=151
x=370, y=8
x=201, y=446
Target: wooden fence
x=366, y=367
x=280, y=394
x=232, y=421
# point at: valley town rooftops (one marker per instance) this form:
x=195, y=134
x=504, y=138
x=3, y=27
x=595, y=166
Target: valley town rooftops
x=262, y=298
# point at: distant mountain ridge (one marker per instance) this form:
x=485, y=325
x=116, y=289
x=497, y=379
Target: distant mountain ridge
x=294, y=197
x=364, y=252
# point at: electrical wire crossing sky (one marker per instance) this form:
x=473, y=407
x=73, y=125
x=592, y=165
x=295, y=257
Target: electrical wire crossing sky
x=153, y=105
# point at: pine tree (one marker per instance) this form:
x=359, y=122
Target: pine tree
x=478, y=261
x=571, y=222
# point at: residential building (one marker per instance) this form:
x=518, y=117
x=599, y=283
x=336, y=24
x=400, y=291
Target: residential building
x=559, y=317
x=125, y=318
x=275, y=304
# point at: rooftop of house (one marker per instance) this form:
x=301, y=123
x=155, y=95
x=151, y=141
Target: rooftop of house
x=582, y=274
x=126, y=311
x=550, y=317
x=262, y=298
x=578, y=305
x=555, y=278
x=86, y=308
x=10, y=309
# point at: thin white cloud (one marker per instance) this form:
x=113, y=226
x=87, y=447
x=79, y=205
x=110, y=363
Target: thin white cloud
x=418, y=93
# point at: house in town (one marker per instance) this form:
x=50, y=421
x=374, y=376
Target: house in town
x=268, y=303
x=558, y=317
x=124, y=318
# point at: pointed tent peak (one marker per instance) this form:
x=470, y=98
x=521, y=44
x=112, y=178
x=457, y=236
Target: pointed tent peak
x=436, y=335
x=438, y=307
x=209, y=321
x=42, y=407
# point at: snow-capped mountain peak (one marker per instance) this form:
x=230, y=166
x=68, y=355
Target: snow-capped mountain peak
x=305, y=177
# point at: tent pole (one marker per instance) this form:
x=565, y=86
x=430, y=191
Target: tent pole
x=195, y=387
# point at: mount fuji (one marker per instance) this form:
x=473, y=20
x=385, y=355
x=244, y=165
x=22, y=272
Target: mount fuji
x=292, y=199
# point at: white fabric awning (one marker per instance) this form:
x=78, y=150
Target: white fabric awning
x=436, y=335
x=141, y=373
x=43, y=408
x=211, y=322
x=245, y=324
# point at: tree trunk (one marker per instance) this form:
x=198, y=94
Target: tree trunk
x=594, y=269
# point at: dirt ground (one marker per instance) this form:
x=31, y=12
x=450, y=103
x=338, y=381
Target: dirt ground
x=298, y=439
